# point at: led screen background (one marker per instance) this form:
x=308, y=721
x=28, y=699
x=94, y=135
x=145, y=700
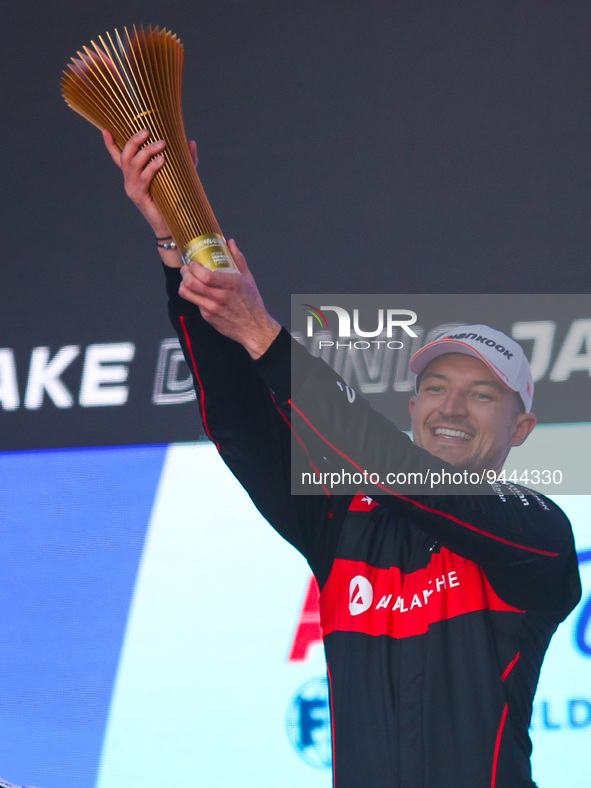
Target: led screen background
x=427, y=148
x=415, y=147
x=147, y=622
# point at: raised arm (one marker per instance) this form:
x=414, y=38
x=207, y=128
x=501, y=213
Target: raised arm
x=232, y=304
x=223, y=326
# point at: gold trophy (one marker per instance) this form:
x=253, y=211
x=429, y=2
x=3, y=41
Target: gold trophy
x=134, y=81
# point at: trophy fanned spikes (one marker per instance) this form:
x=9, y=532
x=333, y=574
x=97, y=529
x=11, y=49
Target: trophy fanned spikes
x=133, y=81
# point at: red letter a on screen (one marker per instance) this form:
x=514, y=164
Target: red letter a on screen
x=308, y=628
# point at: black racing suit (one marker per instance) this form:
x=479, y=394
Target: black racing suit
x=436, y=610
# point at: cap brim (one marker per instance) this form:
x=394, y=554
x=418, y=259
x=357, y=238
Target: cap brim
x=431, y=351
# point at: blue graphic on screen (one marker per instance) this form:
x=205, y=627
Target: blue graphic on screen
x=71, y=535
x=146, y=615
x=308, y=723
x=583, y=631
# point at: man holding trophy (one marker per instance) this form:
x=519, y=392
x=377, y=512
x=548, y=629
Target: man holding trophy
x=436, y=610
x=443, y=700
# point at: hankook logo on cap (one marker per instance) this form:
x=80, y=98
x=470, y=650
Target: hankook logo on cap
x=360, y=595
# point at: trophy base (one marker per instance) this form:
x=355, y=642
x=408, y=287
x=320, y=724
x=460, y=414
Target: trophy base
x=211, y=252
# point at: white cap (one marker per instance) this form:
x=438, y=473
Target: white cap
x=501, y=354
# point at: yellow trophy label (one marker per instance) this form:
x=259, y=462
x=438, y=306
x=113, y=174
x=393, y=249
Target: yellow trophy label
x=210, y=251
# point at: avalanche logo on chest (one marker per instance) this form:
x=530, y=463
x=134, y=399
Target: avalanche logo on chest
x=359, y=597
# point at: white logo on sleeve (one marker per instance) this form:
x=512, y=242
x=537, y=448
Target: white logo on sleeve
x=360, y=595
x=348, y=391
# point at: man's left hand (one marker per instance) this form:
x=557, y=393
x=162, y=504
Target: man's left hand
x=231, y=302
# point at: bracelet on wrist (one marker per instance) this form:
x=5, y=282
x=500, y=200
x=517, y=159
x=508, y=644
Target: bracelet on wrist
x=168, y=242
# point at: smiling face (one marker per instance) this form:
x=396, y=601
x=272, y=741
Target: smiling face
x=465, y=416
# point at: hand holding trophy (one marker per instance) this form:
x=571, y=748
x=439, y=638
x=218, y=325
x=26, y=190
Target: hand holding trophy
x=134, y=81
